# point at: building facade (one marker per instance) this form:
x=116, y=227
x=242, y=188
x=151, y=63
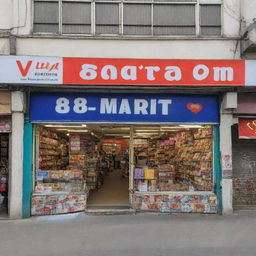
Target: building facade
x=153, y=35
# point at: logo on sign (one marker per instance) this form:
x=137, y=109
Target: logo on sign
x=194, y=107
x=46, y=66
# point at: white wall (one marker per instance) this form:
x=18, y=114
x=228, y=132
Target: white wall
x=248, y=10
x=231, y=17
x=163, y=49
x=4, y=46
x=5, y=14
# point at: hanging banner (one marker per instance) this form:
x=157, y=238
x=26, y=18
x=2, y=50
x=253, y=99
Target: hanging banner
x=35, y=70
x=127, y=108
x=247, y=128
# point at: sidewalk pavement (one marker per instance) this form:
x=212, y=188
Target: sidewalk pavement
x=130, y=235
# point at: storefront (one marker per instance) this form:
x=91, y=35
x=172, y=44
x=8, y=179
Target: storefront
x=244, y=153
x=164, y=145
x=152, y=122
x=5, y=131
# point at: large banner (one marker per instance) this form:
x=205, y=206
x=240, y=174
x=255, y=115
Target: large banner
x=99, y=71
x=126, y=108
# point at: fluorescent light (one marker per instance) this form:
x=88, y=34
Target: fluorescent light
x=138, y=130
x=116, y=128
x=146, y=133
x=171, y=127
x=191, y=126
x=63, y=126
x=113, y=134
x=69, y=130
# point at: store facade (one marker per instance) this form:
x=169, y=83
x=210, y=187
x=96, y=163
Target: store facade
x=175, y=167
x=194, y=145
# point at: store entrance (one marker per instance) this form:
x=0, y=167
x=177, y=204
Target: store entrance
x=77, y=158
x=95, y=166
x=113, y=191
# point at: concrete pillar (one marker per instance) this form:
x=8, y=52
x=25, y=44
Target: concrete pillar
x=16, y=157
x=226, y=121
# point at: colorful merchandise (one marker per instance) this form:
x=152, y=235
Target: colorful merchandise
x=176, y=204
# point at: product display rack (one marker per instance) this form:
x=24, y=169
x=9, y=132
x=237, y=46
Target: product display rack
x=84, y=155
x=184, y=162
x=59, y=187
x=4, y=169
x=53, y=150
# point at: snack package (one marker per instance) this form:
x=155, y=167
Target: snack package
x=150, y=174
x=138, y=173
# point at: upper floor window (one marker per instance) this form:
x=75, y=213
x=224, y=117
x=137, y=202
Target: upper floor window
x=128, y=17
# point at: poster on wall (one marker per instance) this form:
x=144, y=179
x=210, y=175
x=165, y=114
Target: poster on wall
x=247, y=128
x=226, y=162
x=126, y=108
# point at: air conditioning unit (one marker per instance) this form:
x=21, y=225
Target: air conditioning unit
x=248, y=40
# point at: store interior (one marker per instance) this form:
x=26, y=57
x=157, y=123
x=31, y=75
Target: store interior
x=4, y=171
x=100, y=159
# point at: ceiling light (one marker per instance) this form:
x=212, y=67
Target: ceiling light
x=191, y=126
x=63, y=125
x=69, y=130
x=138, y=130
x=171, y=127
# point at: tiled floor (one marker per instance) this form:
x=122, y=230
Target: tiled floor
x=114, y=191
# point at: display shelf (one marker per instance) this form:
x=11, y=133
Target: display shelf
x=191, y=154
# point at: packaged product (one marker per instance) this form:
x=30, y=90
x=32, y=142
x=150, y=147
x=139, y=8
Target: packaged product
x=150, y=174
x=138, y=173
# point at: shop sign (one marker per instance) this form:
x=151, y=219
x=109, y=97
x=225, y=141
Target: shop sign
x=30, y=70
x=247, y=128
x=153, y=72
x=109, y=71
x=128, y=108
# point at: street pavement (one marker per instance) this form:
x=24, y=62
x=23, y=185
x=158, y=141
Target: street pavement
x=130, y=235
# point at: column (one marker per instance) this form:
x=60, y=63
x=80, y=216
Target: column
x=226, y=121
x=16, y=157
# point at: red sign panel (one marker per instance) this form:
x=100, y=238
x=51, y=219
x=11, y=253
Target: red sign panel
x=247, y=128
x=153, y=72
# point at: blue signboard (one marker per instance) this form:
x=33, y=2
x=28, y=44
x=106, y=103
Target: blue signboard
x=124, y=108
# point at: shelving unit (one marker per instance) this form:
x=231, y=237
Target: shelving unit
x=53, y=150
x=4, y=168
x=183, y=163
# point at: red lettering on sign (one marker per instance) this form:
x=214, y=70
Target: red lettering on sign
x=24, y=71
